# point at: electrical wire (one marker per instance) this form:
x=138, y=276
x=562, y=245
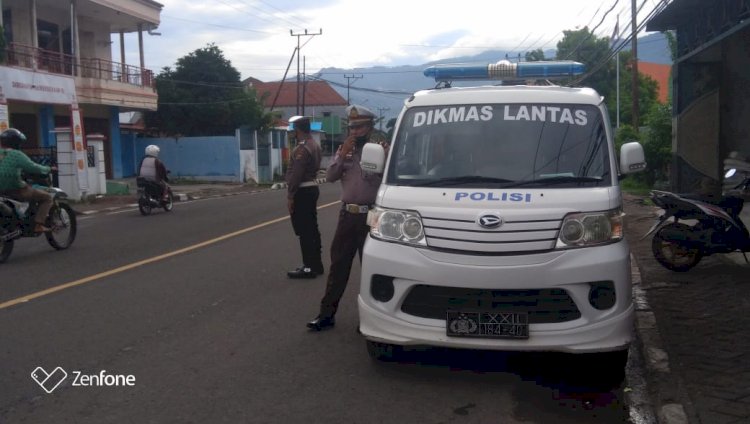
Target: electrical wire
x=620, y=46
x=217, y=25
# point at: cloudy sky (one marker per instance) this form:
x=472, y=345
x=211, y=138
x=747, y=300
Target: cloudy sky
x=255, y=35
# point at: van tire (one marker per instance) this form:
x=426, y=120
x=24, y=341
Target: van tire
x=605, y=369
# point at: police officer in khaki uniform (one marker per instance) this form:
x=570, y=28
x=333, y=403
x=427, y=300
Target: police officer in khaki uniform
x=358, y=191
x=302, y=197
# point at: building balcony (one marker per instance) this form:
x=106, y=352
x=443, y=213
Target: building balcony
x=98, y=81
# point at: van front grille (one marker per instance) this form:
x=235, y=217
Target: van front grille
x=542, y=306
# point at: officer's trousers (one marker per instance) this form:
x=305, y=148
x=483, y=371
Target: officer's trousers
x=351, y=233
x=305, y=224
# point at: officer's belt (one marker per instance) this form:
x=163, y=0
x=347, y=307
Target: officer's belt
x=308, y=184
x=353, y=208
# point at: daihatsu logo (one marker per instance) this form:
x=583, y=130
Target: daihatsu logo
x=490, y=220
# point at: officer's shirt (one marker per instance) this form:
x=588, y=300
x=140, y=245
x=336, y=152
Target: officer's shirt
x=304, y=165
x=357, y=186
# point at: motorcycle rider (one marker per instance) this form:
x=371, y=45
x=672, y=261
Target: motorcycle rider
x=12, y=163
x=152, y=169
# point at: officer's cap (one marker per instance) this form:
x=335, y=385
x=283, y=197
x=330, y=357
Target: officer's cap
x=299, y=120
x=359, y=115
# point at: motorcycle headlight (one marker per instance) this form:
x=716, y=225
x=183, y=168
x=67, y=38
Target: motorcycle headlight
x=591, y=228
x=396, y=225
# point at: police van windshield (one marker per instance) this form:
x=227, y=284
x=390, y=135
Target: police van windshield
x=501, y=145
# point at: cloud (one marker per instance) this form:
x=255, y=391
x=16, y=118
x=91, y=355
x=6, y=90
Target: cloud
x=255, y=35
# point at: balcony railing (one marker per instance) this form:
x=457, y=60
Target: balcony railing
x=60, y=63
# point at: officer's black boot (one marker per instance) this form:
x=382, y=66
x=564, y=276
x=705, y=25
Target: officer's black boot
x=321, y=323
x=302, y=272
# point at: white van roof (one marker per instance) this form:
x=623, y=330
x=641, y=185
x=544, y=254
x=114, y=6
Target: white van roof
x=505, y=94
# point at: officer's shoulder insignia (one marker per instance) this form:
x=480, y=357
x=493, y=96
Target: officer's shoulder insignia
x=377, y=138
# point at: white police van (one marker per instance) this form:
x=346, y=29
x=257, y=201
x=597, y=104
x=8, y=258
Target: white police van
x=499, y=222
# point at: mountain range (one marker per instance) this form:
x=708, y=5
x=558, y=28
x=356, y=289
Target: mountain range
x=384, y=89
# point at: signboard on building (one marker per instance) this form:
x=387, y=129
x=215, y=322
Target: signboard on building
x=29, y=86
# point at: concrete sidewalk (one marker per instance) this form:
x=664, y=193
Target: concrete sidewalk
x=693, y=329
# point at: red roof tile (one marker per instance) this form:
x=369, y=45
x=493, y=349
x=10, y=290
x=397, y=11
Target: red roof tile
x=317, y=93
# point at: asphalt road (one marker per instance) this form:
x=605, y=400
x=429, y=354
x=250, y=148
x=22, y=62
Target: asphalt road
x=195, y=305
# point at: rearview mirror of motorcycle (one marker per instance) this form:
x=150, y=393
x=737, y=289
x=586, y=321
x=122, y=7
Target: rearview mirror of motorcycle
x=730, y=173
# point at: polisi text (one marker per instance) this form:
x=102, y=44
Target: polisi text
x=492, y=196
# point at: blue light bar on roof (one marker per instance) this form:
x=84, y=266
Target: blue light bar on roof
x=504, y=69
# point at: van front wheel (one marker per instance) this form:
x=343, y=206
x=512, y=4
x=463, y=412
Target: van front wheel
x=604, y=369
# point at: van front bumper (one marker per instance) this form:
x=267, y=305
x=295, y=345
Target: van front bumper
x=592, y=330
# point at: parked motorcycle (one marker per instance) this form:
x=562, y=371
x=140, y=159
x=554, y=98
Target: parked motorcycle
x=713, y=223
x=150, y=196
x=17, y=220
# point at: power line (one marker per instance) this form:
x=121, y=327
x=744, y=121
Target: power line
x=273, y=16
x=349, y=79
x=620, y=46
x=216, y=25
x=298, y=35
x=591, y=33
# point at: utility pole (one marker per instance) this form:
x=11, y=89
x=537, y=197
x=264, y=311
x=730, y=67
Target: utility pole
x=348, y=82
x=380, y=115
x=298, y=35
x=634, y=49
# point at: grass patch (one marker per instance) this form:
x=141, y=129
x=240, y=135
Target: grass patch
x=631, y=186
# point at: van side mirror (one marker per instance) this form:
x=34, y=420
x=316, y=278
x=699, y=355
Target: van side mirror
x=373, y=158
x=632, y=159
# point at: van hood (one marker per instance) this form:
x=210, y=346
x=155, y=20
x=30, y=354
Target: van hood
x=529, y=204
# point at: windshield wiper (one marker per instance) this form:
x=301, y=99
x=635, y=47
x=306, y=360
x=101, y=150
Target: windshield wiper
x=558, y=180
x=462, y=180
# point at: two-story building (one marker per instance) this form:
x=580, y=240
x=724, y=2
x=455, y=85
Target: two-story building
x=710, y=88
x=59, y=54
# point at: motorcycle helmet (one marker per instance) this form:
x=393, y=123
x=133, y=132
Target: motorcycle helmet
x=12, y=138
x=152, y=150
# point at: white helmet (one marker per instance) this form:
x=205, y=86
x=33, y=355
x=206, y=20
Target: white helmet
x=152, y=150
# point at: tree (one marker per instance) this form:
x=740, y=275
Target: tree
x=583, y=46
x=535, y=55
x=203, y=95
x=647, y=92
x=657, y=143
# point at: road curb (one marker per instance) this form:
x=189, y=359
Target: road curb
x=662, y=386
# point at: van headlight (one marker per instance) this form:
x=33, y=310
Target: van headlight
x=396, y=225
x=591, y=228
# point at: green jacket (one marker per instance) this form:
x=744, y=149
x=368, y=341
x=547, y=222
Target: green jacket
x=12, y=162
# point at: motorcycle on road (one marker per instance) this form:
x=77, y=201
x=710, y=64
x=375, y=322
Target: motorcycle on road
x=150, y=196
x=694, y=226
x=17, y=220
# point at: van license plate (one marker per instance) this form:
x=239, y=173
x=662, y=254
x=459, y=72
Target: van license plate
x=497, y=325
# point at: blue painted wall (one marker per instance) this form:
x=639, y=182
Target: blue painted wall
x=127, y=154
x=204, y=158
x=114, y=139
